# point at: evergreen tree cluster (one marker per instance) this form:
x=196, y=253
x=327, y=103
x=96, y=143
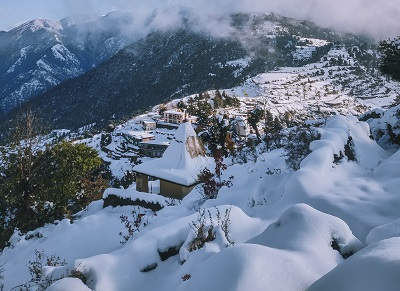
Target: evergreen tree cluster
x=222, y=100
x=201, y=105
x=40, y=184
x=218, y=137
x=47, y=185
x=390, y=57
x=272, y=129
x=255, y=117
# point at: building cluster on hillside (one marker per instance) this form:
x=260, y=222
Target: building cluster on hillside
x=178, y=117
x=169, y=137
x=141, y=137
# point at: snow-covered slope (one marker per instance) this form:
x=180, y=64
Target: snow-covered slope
x=373, y=268
x=275, y=227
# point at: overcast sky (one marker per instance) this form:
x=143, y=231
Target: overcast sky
x=377, y=18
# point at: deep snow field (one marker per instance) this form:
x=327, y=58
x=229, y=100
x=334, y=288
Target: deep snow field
x=327, y=226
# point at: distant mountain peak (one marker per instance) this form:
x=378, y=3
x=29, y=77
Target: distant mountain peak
x=41, y=53
x=38, y=24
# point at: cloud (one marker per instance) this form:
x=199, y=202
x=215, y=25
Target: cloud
x=378, y=19
x=375, y=18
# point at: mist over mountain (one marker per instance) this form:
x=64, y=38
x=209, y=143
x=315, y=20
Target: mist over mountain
x=377, y=19
x=184, y=60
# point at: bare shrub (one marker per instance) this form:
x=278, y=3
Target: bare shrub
x=132, y=225
x=204, y=228
x=40, y=281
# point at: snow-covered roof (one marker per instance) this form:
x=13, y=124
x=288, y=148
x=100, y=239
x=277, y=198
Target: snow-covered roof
x=174, y=112
x=182, y=160
x=240, y=117
x=147, y=120
x=137, y=134
x=155, y=142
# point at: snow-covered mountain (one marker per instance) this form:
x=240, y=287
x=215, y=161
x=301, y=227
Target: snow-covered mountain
x=170, y=64
x=40, y=54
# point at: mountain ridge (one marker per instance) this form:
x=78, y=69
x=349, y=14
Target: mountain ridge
x=32, y=54
x=260, y=43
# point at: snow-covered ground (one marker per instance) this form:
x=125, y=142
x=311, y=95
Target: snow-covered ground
x=331, y=225
x=322, y=88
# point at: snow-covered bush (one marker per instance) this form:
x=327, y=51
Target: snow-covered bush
x=375, y=267
x=77, y=273
x=297, y=145
x=386, y=129
x=349, y=149
x=245, y=153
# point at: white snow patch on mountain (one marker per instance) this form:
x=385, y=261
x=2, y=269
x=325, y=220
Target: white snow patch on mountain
x=62, y=53
x=22, y=57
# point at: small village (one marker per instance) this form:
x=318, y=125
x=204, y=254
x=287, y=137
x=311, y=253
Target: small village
x=150, y=136
x=258, y=116
x=261, y=111
x=163, y=134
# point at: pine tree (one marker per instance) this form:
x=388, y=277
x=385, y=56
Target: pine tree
x=218, y=136
x=390, y=57
x=276, y=133
x=203, y=111
x=218, y=100
x=191, y=107
x=181, y=105
x=268, y=129
x=254, y=118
